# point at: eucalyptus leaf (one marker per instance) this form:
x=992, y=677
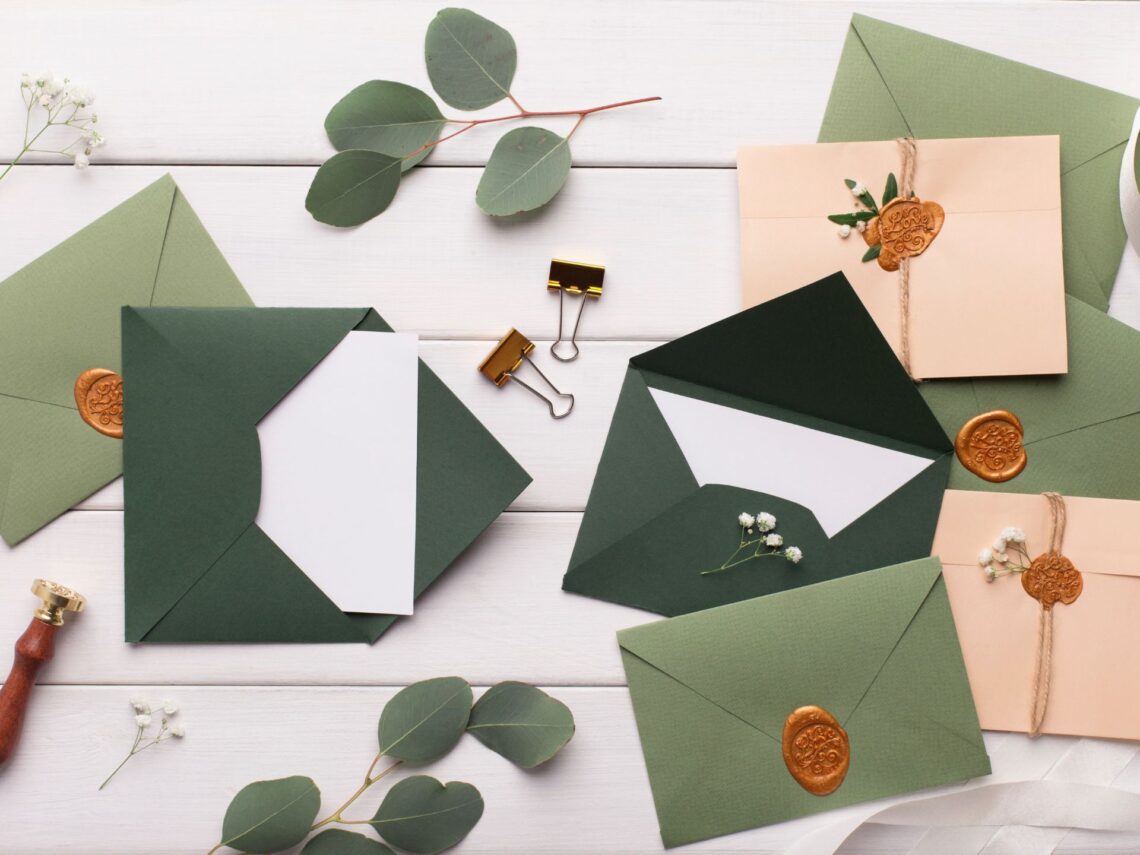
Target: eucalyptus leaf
x=892, y=188
x=425, y=720
x=385, y=116
x=526, y=170
x=268, y=816
x=471, y=61
x=338, y=842
x=873, y=252
x=352, y=187
x=522, y=723
x=422, y=815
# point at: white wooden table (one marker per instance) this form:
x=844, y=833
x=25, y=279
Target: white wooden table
x=231, y=99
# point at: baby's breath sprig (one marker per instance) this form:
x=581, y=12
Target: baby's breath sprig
x=64, y=104
x=1008, y=555
x=144, y=718
x=758, y=540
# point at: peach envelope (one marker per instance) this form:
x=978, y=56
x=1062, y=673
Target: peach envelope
x=987, y=297
x=1095, y=688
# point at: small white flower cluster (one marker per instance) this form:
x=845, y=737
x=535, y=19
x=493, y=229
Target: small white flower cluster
x=859, y=189
x=144, y=713
x=764, y=522
x=1010, y=539
x=65, y=102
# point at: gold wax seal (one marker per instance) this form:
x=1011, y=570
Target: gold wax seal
x=816, y=750
x=990, y=445
x=904, y=228
x=1051, y=579
x=99, y=397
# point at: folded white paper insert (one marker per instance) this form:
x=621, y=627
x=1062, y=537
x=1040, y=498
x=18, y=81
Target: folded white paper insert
x=338, y=473
x=836, y=478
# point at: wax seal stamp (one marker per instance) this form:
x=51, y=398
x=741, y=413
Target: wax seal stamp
x=99, y=397
x=816, y=750
x=990, y=445
x=1052, y=578
x=904, y=229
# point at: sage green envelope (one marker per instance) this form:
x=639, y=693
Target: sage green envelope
x=894, y=82
x=198, y=568
x=877, y=650
x=59, y=316
x=1082, y=429
x=813, y=358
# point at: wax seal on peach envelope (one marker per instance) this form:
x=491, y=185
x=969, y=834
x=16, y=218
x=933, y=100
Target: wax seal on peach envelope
x=904, y=228
x=1051, y=579
x=991, y=445
x=816, y=750
x=99, y=397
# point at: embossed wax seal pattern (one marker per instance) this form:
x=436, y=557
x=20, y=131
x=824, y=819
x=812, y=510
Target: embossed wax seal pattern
x=990, y=445
x=904, y=228
x=99, y=397
x=1052, y=579
x=816, y=750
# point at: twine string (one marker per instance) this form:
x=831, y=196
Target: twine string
x=909, y=153
x=1044, y=667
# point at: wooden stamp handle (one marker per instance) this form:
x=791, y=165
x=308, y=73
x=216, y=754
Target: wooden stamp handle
x=35, y=647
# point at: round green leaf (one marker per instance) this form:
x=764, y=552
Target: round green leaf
x=352, y=187
x=422, y=815
x=470, y=60
x=425, y=720
x=268, y=816
x=526, y=170
x=385, y=116
x=522, y=723
x=338, y=842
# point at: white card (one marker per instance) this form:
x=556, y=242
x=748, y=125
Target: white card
x=338, y=473
x=836, y=478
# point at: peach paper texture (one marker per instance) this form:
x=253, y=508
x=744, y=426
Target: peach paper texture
x=987, y=297
x=1096, y=640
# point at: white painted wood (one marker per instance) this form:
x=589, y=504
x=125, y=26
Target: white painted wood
x=215, y=81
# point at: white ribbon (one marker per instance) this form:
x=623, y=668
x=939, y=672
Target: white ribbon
x=1129, y=191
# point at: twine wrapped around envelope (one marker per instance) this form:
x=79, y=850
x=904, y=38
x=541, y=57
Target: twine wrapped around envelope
x=909, y=153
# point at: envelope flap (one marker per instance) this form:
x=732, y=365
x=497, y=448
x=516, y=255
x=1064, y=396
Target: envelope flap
x=776, y=653
x=814, y=351
x=59, y=315
x=944, y=89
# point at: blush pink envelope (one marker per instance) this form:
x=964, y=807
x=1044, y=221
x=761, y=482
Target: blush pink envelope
x=987, y=297
x=1096, y=639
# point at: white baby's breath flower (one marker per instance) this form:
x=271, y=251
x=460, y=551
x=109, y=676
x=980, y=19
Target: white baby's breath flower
x=1001, y=557
x=991, y=574
x=765, y=521
x=26, y=80
x=774, y=540
x=142, y=720
x=138, y=702
x=169, y=707
x=178, y=731
x=859, y=189
x=746, y=520
x=81, y=96
x=1013, y=535
x=793, y=554
x=861, y=226
x=999, y=544
x=82, y=161
x=93, y=138
x=985, y=557
x=845, y=231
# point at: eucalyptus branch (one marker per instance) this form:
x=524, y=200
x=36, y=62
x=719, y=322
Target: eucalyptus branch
x=369, y=780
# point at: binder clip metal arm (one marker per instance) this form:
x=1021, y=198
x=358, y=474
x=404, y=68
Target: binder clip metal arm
x=507, y=357
x=571, y=277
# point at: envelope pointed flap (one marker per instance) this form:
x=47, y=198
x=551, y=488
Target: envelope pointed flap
x=860, y=106
x=1093, y=228
x=255, y=593
x=822, y=644
x=59, y=315
x=641, y=473
x=945, y=89
x=193, y=271
x=815, y=351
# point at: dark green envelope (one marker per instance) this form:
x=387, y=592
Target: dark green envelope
x=198, y=568
x=894, y=82
x=814, y=358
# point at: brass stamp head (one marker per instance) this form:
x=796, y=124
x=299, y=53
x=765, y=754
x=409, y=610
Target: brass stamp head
x=990, y=446
x=99, y=397
x=55, y=600
x=816, y=750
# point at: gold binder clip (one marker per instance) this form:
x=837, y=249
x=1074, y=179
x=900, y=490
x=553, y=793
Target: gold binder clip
x=574, y=278
x=502, y=363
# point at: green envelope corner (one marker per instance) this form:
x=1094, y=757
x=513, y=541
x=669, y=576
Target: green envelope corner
x=711, y=691
x=963, y=92
x=198, y=568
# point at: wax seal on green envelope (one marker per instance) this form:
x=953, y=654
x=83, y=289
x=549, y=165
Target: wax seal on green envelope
x=59, y=317
x=797, y=407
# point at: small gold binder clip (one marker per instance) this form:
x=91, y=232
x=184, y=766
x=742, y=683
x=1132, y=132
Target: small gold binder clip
x=502, y=363
x=571, y=277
